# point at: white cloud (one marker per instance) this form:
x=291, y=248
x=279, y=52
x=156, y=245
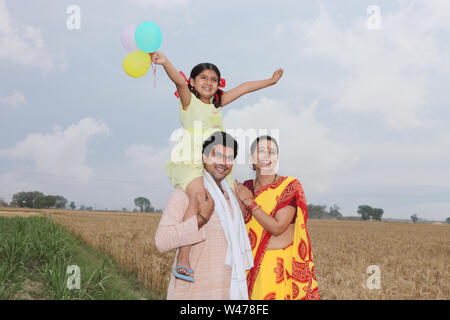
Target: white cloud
x=145, y=156
x=62, y=152
x=15, y=99
x=387, y=71
x=163, y=4
x=22, y=44
x=307, y=149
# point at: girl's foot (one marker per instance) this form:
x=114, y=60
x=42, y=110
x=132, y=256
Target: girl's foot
x=183, y=266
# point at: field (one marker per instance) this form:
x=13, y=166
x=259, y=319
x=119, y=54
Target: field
x=413, y=259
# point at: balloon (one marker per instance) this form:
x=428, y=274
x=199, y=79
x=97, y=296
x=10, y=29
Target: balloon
x=127, y=37
x=136, y=64
x=148, y=36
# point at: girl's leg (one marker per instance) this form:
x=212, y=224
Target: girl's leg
x=194, y=187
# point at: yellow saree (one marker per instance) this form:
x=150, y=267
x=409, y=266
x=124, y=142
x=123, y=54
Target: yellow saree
x=282, y=274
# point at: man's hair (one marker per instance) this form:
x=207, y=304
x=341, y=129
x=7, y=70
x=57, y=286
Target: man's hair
x=220, y=138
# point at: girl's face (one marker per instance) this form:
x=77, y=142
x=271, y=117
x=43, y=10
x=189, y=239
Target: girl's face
x=265, y=157
x=206, y=84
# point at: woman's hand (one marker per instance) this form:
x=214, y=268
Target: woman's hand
x=159, y=58
x=244, y=194
x=277, y=75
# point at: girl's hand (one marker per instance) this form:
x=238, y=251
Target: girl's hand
x=244, y=194
x=159, y=58
x=277, y=75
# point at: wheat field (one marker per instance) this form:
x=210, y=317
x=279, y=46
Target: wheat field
x=413, y=259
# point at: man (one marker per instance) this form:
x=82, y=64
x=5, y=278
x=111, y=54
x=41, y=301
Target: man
x=220, y=252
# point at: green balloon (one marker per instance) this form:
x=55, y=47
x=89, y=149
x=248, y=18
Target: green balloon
x=148, y=36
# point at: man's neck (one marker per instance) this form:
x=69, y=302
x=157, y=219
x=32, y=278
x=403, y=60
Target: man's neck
x=219, y=184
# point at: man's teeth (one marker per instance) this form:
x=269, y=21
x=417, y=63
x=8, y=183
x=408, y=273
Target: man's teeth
x=220, y=169
x=266, y=162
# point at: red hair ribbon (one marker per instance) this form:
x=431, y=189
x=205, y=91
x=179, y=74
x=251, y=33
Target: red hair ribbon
x=221, y=85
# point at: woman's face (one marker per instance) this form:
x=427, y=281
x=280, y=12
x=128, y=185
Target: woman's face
x=205, y=83
x=265, y=157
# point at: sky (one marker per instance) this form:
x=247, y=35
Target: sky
x=361, y=113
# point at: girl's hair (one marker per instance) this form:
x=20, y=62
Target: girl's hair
x=217, y=99
x=257, y=140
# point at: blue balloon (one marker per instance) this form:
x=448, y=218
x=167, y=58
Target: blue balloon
x=148, y=36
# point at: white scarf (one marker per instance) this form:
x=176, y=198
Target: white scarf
x=239, y=253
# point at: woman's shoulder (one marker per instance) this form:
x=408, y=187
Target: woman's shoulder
x=293, y=181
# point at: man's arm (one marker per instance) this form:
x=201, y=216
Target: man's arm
x=172, y=231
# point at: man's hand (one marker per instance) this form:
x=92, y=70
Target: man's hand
x=205, y=208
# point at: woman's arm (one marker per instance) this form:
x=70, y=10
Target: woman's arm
x=242, y=206
x=250, y=86
x=175, y=76
x=275, y=225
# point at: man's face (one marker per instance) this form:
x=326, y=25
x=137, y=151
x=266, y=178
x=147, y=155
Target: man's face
x=219, y=162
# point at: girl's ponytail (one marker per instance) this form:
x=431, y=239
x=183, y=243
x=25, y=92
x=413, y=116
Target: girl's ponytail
x=217, y=101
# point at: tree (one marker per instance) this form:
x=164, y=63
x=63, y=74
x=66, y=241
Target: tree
x=414, y=218
x=82, y=207
x=377, y=213
x=364, y=211
x=72, y=205
x=43, y=201
x=25, y=199
x=448, y=220
x=60, y=202
x=3, y=203
x=334, y=211
x=367, y=212
x=316, y=211
x=143, y=203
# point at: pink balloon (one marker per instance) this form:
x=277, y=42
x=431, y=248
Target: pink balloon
x=127, y=37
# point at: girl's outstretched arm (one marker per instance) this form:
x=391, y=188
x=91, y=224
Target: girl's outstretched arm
x=182, y=88
x=250, y=86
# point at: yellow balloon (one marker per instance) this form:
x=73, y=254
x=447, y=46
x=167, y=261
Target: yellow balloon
x=136, y=64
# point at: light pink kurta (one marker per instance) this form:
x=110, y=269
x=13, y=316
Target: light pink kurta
x=207, y=255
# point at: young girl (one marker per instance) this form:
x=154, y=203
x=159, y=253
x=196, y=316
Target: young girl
x=201, y=102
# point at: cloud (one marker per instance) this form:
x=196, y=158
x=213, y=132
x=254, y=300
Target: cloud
x=387, y=71
x=163, y=4
x=62, y=152
x=22, y=44
x=14, y=100
x=307, y=149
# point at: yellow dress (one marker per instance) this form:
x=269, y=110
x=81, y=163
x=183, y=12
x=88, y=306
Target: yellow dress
x=199, y=121
x=288, y=273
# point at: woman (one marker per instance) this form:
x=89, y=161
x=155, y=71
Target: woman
x=276, y=223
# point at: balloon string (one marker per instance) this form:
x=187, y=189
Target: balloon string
x=153, y=67
x=154, y=72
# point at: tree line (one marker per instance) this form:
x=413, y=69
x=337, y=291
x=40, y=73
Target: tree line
x=39, y=200
x=321, y=212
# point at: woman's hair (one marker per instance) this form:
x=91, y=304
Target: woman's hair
x=257, y=140
x=217, y=100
